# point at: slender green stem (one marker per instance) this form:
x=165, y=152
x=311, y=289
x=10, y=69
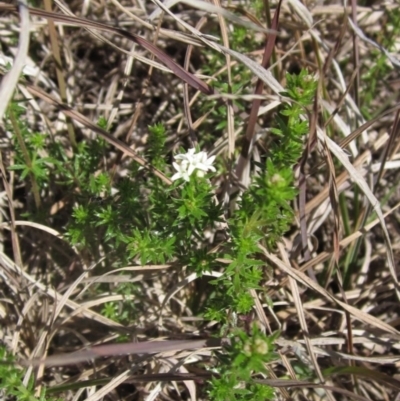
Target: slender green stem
x=28, y=161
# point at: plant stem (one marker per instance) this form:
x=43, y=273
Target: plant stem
x=28, y=161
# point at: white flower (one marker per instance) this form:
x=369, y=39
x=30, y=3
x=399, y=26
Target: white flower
x=182, y=170
x=190, y=161
x=205, y=163
x=185, y=156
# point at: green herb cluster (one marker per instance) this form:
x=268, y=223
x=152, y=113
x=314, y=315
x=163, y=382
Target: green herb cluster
x=265, y=213
x=12, y=382
x=139, y=219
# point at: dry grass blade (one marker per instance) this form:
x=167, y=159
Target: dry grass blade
x=60, y=74
x=229, y=105
x=389, y=149
x=250, y=130
x=11, y=267
x=258, y=70
x=116, y=381
x=334, y=198
x=302, y=11
x=186, y=101
x=303, y=324
x=356, y=54
x=359, y=180
x=297, y=384
x=357, y=132
x=149, y=347
x=9, y=82
x=215, y=9
x=191, y=79
x=360, y=34
x=323, y=256
x=303, y=279
x=381, y=377
x=14, y=237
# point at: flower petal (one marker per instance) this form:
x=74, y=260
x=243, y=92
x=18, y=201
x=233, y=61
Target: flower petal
x=180, y=156
x=176, y=176
x=191, y=168
x=211, y=159
x=187, y=163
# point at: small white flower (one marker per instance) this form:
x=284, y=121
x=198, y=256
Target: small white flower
x=182, y=170
x=186, y=156
x=190, y=161
x=205, y=163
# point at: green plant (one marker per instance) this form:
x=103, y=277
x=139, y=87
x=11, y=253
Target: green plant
x=375, y=76
x=265, y=212
x=244, y=357
x=148, y=222
x=264, y=215
x=12, y=381
x=29, y=158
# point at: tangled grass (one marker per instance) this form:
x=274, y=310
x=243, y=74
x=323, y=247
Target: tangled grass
x=274, y=277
